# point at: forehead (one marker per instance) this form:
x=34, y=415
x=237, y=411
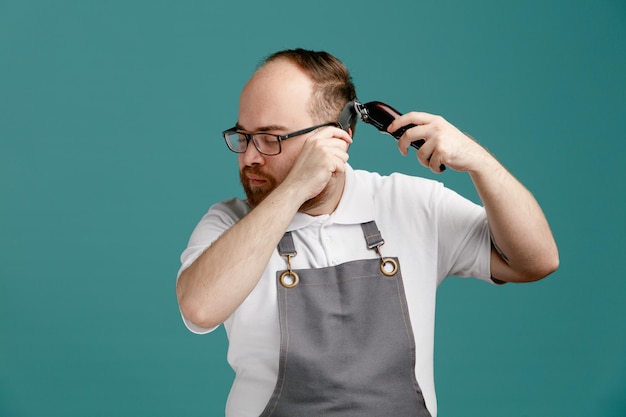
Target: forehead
x=278, y=95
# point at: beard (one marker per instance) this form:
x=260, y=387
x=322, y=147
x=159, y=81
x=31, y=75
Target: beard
x=256, y=195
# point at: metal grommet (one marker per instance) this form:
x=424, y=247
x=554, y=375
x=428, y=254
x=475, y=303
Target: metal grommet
x=385, y=263
x=289, y=279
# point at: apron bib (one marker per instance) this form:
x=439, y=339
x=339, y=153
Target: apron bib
x=346, y=342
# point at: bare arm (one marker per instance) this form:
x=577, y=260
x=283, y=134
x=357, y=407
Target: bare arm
x=523, y=246
x=225, y=274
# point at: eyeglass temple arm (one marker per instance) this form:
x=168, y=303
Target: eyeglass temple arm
x=347, y=115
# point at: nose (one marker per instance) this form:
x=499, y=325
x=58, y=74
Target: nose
x=251, y=156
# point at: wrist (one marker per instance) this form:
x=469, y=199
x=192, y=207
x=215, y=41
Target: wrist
x=485, y=164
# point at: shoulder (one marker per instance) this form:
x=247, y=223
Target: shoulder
x=219, y=218
x=394, y=184
x=234, y=208
x=397, y=195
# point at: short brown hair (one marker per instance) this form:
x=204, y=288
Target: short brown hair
x=332, y=82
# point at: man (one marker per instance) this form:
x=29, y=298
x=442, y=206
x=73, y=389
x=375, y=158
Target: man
x=325, y=277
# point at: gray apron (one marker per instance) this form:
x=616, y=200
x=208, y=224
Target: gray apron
x=346, y=342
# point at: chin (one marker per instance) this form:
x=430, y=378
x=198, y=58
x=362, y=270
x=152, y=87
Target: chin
x=255, y=197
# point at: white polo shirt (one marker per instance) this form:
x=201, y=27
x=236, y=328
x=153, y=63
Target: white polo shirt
x=433, y=231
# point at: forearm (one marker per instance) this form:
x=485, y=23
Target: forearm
x=526, y=250
x=223, y=276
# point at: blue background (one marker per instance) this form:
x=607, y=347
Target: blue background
x=110, y=152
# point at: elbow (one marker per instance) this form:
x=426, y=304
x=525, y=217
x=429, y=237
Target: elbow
x=200, y=319
x=198, y=315
x=555, y=262
x=550, y=262
x=196, y=311
x=542, y=268
x=529, y=268
x=551, y=265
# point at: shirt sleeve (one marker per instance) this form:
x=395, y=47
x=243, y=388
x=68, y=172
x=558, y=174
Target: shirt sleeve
x=464, y=241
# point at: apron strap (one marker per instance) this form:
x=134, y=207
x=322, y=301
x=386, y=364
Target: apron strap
x=286, y=246
x=370, y=230
x=388, y=266
x=372, y=235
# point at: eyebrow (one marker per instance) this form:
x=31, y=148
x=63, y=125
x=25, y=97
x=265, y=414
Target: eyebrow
x=269, y=128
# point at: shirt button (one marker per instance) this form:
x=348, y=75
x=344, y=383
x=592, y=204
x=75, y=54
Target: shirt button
x=333, y=262
x=327, y=240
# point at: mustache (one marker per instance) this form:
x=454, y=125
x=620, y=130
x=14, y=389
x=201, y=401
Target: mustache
x=256, y=171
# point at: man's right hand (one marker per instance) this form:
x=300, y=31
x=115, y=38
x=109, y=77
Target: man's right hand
x=323, y=156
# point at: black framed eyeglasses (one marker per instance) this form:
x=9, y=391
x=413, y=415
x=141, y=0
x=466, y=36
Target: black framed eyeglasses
x=265, y=143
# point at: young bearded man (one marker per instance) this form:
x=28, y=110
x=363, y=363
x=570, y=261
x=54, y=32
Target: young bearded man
x=325, y=277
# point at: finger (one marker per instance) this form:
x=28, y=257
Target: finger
x=424, y=156
x=340, y=165
x=436, y=163
x=329, y=139
x=337, y=133
x=430, y=153
x=416, y=136
x=427, y=146
x=416, y=118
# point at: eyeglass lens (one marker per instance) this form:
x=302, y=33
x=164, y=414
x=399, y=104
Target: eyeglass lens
x=264, y=143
